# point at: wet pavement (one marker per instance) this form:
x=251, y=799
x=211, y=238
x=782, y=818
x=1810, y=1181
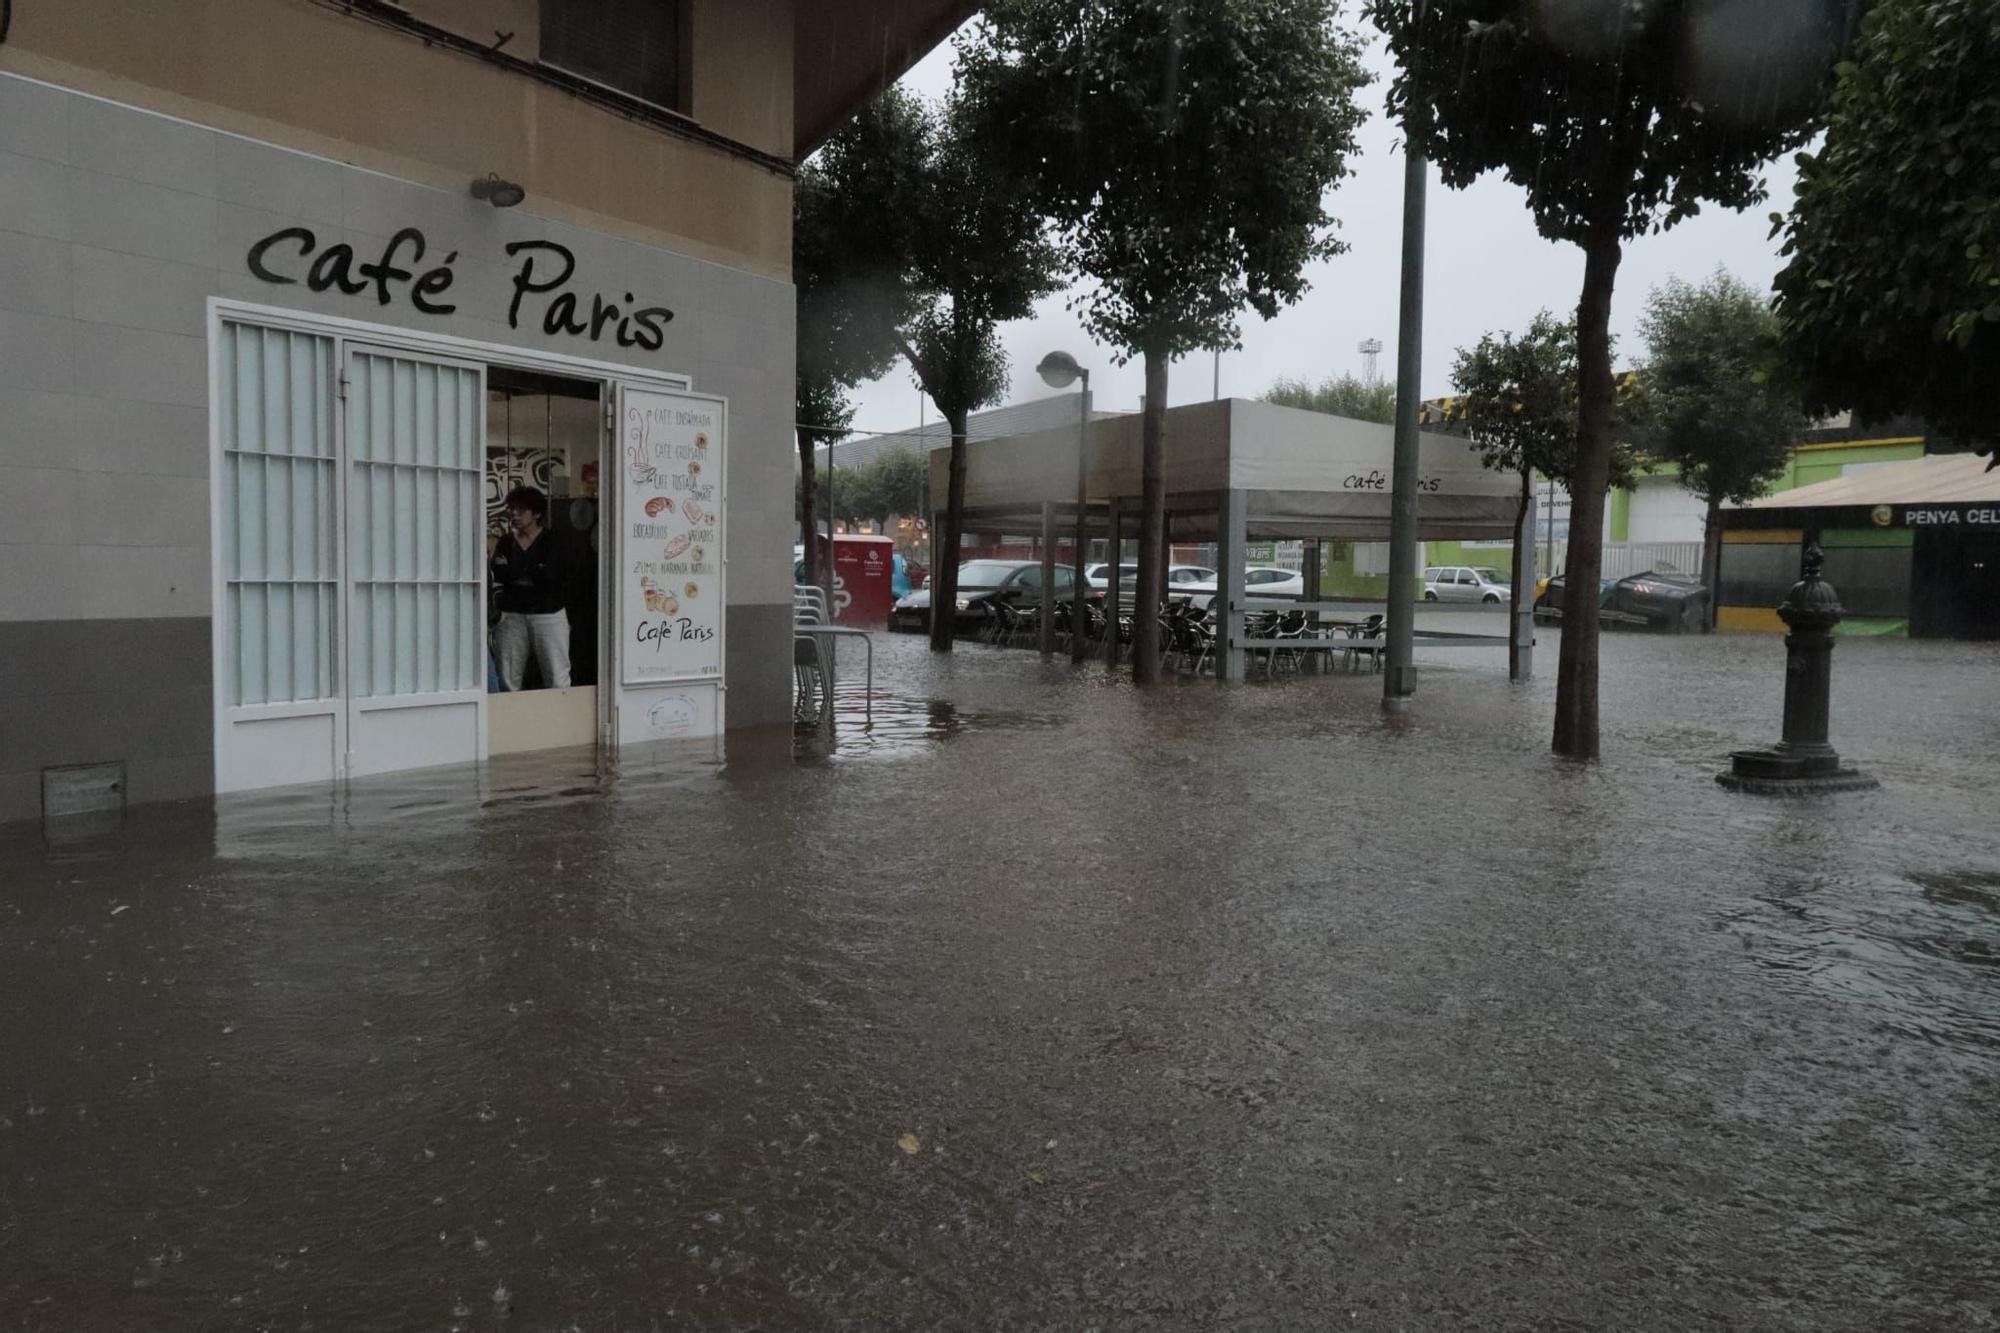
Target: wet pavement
x=1045, y=1004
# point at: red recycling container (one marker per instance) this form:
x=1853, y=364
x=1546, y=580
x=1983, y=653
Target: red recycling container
x=863, y=574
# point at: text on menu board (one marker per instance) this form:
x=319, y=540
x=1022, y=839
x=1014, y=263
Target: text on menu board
x=672, y=537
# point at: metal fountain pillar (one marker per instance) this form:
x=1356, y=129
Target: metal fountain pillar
x=1803, y=761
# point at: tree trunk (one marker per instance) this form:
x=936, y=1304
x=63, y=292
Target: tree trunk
x=944, y=559
x=1152, y=522
x=1576, y=672
x=808, y=504
x=1711, y=560
x=1518, y=580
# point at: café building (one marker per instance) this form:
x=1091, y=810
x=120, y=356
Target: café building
x=294, y=295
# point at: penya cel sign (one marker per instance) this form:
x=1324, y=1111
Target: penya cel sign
x=540, y=275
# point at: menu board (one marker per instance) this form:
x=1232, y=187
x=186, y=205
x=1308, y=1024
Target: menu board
x=670, y=466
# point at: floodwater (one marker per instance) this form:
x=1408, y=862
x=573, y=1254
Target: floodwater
x=1046, y=1004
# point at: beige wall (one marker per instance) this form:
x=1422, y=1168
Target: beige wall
x=356, y=91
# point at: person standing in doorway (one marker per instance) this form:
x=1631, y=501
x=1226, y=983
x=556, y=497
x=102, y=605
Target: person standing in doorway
x=529, y=579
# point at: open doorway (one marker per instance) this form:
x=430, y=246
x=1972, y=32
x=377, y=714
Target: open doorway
x=544, y=461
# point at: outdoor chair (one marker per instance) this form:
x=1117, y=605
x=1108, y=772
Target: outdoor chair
x=1197, y=633
x=1260, y=625
x=812, y=679
x=1027, y=625
x=1291, y=625
x=812, y=659
x=1098, y=624
x=1369, y=628
x=1001, y=619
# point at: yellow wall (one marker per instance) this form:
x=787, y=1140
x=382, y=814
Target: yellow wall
x=307, y=76
x=1762, y=619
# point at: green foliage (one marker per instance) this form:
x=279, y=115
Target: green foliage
x=1340, y=396
x=1890, y=302
x=849, y=298
x=1182, y=149
x=894, y=484
x=1617, y=118
x=959, y=248
x=941, y=249
x=1709, y=401
x=1520, y=402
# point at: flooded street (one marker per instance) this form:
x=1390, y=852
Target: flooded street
x=1043, y=1003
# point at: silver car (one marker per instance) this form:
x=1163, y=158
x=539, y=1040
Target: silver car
x=1465, y=583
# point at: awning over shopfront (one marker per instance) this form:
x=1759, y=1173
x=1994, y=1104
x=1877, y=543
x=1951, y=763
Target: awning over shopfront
x=1935, y=480
x=1911, y=546
x=1299, y=475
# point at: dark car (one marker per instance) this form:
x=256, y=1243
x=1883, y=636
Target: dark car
x=981, y=584
x=1656, y=599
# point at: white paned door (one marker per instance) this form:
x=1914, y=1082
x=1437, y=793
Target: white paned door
x=416, y=608
x=278, y=592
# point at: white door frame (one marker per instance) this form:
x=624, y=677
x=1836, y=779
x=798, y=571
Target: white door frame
x=607, y=375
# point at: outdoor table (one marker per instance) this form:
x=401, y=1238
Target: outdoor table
x=846, y=631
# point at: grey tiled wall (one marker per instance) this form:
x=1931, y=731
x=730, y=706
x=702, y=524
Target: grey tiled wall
x=116, y=226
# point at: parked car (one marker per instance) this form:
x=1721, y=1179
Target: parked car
x=1098, y=576
x=1465, y=583
x=1258, y=581
x=1179, y=579
x=1655, y=600
x=981, y=584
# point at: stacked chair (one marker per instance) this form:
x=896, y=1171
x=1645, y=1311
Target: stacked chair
x=812, y=658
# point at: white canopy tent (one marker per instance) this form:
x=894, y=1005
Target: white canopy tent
x=1236, y=471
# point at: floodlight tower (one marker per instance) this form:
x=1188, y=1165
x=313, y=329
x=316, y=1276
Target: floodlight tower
x=1370, y=349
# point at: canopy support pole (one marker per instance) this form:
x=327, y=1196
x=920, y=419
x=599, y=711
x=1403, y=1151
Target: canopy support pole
x=1114, y=552
x=1229, y=549
x=1521, y=660
x=1048, y=616
x=1312, y=595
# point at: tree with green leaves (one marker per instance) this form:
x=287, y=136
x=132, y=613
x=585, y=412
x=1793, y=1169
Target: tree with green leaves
x=1340, y=396
x=1182, y=149
x=1890, y=301
x=849, y=301
x=1518, y=403
x=1710, y=404
x=957, y=252
x=1617, y=119
x=891, y=485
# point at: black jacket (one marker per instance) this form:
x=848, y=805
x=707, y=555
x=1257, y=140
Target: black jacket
x=531, y=582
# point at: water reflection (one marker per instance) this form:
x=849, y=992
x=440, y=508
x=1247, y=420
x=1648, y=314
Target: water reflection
x=1201, y=1007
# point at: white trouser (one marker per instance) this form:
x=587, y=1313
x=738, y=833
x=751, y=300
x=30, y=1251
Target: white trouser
x=550, y=634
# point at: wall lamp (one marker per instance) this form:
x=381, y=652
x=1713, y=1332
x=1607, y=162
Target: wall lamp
x=497, y=192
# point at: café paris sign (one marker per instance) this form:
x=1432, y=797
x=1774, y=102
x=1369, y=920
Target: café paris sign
x=541, y=270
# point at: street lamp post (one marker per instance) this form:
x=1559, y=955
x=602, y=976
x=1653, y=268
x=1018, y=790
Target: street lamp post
x=1059, y=370
x=1399, y=682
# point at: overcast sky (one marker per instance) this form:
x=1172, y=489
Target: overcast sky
x=1487, y=269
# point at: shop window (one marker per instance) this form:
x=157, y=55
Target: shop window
x=278, y=526
x=1757, y=573
x=1871, y=580
x=638, y=47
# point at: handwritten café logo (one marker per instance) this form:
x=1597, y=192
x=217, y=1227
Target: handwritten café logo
x=542, y=269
